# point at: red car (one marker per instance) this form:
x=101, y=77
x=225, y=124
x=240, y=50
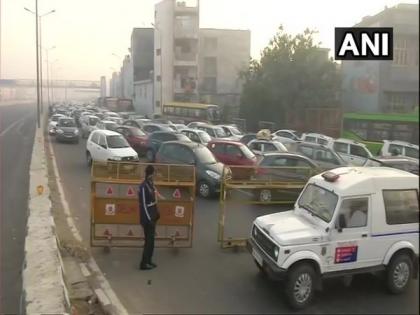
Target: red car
x=135, y=137
x=232, y=152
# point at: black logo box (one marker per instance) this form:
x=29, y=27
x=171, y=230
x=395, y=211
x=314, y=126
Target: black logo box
x=340, y=33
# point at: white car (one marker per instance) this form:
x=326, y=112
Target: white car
x=287, y=133
x=106, y=145
x=88, y=124
x=232, y=132
x=261, y=147
x=198, y=136
x=347, y=221
x=52, y=124
x=395, y=147
x=319, y=138
x=352, y=152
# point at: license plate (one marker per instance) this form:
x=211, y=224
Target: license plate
x=257, y=257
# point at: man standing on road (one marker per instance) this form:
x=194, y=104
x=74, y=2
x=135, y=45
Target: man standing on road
x=149, y=215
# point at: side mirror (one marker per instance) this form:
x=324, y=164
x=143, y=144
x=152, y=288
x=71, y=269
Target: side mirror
x=341, y=222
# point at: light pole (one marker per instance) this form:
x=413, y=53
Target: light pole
x=52, y=81
x=161, y=66
x=48, y=73
x=40, y=52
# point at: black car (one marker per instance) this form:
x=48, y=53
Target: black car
x=155, y=140
x=323, y=156
x=287, y=168
x=67, y=130
x=208, y=171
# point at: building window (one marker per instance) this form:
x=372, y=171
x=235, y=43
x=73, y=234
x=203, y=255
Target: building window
x=210, y=43
x=210, y=66
x=400, y=52
x=397, y=103
x=158, y=51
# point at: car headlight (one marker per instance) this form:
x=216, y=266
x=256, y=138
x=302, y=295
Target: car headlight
x=76, y=131
x=60, y=131
x=213, y=175
x=254, y=231
x=276, y=252
x=116, y=158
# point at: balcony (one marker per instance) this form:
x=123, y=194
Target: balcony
x=185, y=59
x=183, y=31
x=185, y=85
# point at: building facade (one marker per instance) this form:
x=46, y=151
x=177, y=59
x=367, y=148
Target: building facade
x=386, y=86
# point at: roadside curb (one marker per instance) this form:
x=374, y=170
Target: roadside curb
x=43, y=290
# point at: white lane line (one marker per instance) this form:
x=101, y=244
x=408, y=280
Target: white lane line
x=102, y=297
x=85, y=271
x=13, y=125
x=67, y=212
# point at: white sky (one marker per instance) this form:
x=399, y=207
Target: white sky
x=87, y=32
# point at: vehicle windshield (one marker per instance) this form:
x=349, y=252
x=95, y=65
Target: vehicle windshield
x=235, y=131
x=93, y=121
x=220, y=132
x=319, y=202
x=55, y=118
x=137, y=132
x=66, y=123
x=116, y=142
x=213, y=114
x=204, y=136
x=205, y=156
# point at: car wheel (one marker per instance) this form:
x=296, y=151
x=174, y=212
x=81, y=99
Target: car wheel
x=150, y=156
x=265, y=195
x=204, y=189
x=300, y=285
x=89, y=159
x=399, y=273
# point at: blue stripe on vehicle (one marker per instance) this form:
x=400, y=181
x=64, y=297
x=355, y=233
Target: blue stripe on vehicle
x=395, y=233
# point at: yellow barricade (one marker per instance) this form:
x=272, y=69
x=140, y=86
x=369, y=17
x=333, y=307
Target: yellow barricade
x=251, y=191
x=115, y=215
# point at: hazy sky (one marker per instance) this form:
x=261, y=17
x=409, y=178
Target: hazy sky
x=87, y=32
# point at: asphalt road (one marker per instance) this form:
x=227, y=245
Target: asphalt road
x=17, y=129
x=207, y=279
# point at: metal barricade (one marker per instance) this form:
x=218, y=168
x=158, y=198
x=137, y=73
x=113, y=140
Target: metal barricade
x=115, y=216
x=244, y=187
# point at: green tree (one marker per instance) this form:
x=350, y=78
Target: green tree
x=292, y=74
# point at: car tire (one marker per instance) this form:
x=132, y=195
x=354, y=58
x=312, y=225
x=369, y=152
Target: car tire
x=150, y=156
x=265, y=195
x=204, y=189
x=300, y=285
x=398, y=273
x=89, y=159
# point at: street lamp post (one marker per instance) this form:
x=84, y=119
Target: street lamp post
x=48, y=74
x=39, y=18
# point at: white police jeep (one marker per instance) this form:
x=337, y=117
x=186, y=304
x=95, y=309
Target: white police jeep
x=346, y=221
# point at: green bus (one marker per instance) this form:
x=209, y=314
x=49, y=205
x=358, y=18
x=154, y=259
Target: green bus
x=371, y=129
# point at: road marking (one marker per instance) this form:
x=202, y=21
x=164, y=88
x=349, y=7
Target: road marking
x=70, y=220
x=13, y=125
x=84, y=270
x=102, y=297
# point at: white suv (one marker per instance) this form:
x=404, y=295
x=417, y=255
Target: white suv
x=106, y=145
x=345, y=222
x=396, y=147
x=352, y=152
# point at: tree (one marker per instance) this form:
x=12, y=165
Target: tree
x=292, y=75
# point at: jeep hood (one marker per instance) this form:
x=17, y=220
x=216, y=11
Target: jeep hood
x=287, y=228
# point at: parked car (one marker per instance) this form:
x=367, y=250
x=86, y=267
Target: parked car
x=117, y=120
x=179, y=127
x=215, y=132
x=53, y=123
x=322, y=155
x=110, y=114
x=232, y=152
x=393, y=148
x=346, y=222
x=66, y=130
x=319, y=138
x=198, y=136
x=288, y=133
x=107, y=125
x=209, y=172
x=283, y=167
x=260, y=147
x=138, y=123
x=135, y=137
x=155, y=140
x=106, y=145
x=88, y=124
x=150, y=128
x=351, y=151
x=195, y=124
x=400, y=162
x=247, y=138
x=232, y=131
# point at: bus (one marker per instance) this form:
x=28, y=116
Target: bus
x=189, y=112
x=372, y=129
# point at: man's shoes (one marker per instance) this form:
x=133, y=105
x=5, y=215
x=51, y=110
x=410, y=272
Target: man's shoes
x=146, y=266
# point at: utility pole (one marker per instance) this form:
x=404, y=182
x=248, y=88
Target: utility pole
x=37, y=66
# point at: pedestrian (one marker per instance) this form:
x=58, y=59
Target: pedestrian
x=149, y=215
